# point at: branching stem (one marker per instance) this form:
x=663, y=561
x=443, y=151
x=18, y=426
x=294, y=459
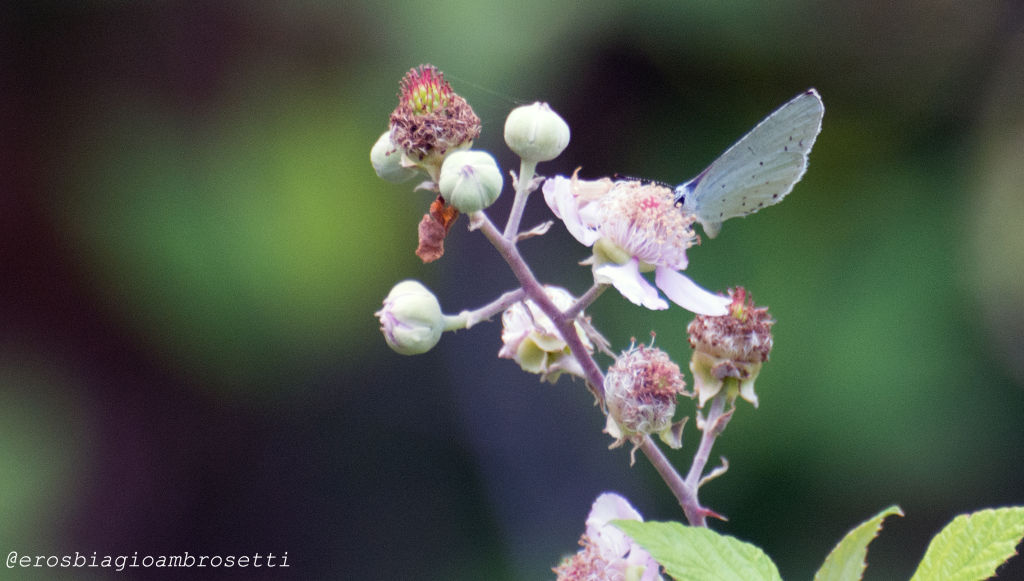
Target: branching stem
x=585, y=301
x=685, y=490
x=510, y=252
x=515, y=216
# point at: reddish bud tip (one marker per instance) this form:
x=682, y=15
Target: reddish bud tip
x=424, y=90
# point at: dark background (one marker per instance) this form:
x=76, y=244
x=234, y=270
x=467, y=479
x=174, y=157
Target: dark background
x=193, y=242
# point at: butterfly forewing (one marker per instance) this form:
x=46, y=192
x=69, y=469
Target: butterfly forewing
x=759, y=169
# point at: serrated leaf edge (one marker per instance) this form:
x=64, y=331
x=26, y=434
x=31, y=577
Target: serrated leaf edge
x=939, y=539
x=873, y=522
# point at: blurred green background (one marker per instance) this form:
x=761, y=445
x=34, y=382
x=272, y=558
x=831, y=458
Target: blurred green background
x=193, y=242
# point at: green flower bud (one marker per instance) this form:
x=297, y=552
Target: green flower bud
x=536, y=133
x=470, y=180
x=387, y=160
x=411, y=320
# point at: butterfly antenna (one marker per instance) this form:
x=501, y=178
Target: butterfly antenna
x=621, y=176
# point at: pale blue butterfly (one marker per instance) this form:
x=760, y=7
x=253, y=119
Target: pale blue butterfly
x=759, y=169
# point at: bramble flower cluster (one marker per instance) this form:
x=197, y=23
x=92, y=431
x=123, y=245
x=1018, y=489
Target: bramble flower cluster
x=632, y=229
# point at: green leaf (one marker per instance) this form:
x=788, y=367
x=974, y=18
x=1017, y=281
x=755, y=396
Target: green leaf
x=973, y=546
x=699, y=554
x=847, y=560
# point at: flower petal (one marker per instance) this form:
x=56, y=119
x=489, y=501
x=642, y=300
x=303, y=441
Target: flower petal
x=631, y=284
x=611, y=506
x=687, y=294
x=554, y=192
x=565, y=363
x=612, y=543
x=559, y=196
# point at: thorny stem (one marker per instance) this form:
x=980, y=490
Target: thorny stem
x=696, y=514
x=684, y=493
x=707, y=440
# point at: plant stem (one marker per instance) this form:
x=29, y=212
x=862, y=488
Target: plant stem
x=515, y=216
x=684, y=493
x=466, y=319
x=510, y=252
x=707, y=440
x=584, y=301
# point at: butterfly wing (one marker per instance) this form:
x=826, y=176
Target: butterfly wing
x=759, y=169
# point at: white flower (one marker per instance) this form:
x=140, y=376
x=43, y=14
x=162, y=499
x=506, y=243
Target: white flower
x=634, y=227
x=530, y=338
x=608, y=554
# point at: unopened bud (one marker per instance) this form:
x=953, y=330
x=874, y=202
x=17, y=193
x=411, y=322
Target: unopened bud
x=729, y=350
x=536, y=133
x=387, y=160
x=411, y=320
x=470, y=180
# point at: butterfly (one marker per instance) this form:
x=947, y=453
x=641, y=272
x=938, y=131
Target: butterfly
x=759, y=169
